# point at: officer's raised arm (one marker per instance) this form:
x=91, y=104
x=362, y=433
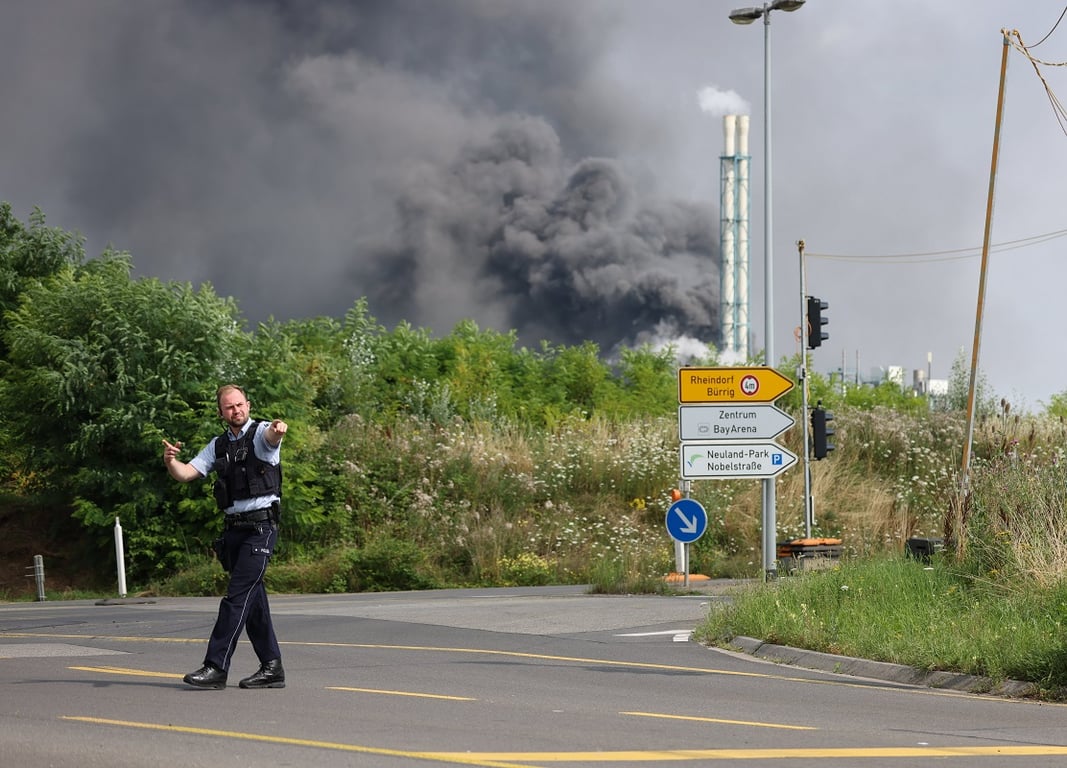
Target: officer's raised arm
x=179, y=470
x=275, y=432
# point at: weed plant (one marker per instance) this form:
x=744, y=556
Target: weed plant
x=495, y=503
x=993, y=603
x=894, y=609
x=427, y=504
x=500, y=505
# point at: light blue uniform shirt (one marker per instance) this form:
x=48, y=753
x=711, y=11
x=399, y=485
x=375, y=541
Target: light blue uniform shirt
x=205, y=460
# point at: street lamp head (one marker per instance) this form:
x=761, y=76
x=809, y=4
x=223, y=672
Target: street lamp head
x=746, y=15
x=786, y=5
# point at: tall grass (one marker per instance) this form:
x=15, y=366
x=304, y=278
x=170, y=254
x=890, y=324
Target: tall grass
x=490, y=502
x=992, y=604
x=896, y=610
x=449, y=502
x=479, y=495
x=1013, y=524
x=496, y=504
x=889, y=479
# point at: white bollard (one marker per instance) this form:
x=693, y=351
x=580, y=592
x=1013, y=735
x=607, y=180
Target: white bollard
x=38, y=574
x=120, y=558
x=681, y=557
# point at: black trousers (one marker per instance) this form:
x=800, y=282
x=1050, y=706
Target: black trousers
x=245, y=606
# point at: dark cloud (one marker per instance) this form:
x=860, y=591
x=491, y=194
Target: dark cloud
x=521, y=163
x=446, y=160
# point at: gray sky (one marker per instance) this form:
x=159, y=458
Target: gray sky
x=545, y=165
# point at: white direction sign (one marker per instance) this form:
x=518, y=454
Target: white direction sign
x=734, y=460
x=762, y=421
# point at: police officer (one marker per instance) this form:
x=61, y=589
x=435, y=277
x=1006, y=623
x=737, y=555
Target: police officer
x=246, y=458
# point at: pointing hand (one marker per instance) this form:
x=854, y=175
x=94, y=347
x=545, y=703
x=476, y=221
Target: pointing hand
x=170, y=452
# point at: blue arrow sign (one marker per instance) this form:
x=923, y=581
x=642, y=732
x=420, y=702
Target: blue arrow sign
x=686, y=520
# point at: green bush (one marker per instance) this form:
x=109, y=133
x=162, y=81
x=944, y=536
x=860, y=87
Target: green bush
x=386, y=564
x=202, y=577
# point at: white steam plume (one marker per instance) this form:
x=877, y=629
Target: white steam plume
x=718, y=102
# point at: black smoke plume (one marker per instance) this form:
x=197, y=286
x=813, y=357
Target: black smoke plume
x=447, y=160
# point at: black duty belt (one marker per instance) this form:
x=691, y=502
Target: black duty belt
x=249, y=519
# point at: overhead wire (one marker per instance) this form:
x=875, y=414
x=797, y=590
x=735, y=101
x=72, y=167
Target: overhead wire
x=947, y=255
x=1017, y=43
x=1059, y=111
x=1047, y=36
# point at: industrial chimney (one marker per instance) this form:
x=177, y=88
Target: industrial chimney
x=733, y=236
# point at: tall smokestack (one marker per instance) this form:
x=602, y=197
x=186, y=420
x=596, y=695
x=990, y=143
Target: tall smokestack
x=727, y=232
x=744, y=337
x=733, y=236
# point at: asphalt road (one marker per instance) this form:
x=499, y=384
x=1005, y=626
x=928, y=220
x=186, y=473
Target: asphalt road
x=505, y=677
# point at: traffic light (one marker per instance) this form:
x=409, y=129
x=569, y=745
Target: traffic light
x=819, y=433
x=816, y=335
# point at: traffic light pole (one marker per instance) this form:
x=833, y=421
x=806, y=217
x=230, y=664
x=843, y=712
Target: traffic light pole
x=802, y=377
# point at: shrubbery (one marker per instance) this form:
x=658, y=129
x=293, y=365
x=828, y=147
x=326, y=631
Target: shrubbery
x=461, y=460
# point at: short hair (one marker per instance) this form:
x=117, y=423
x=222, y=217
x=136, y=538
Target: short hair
x=227, y=388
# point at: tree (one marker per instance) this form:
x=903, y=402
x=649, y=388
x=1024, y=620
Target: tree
x=1057, y=406
x=648, y=382
x=29, y=255
x=581, y=375
x=886, y=394
x=100, y=369
x=959, y=386
x=330, y=360
x=476, y=366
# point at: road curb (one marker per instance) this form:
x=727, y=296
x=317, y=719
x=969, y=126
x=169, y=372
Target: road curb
x=880, y=670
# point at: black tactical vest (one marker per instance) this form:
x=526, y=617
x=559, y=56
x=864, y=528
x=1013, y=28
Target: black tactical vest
x=240, y=474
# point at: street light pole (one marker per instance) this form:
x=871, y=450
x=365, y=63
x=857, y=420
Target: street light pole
x=747, y=16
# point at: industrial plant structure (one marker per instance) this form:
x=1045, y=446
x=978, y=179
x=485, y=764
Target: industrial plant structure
x=733, y=237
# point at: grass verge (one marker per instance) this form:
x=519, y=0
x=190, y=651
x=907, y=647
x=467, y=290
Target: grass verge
x=931, y=617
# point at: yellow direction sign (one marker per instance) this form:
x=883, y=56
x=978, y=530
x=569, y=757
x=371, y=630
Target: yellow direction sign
x=761, y=384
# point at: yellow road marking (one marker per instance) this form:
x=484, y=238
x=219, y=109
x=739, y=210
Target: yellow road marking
x=914, y=690
x=461, y=758
x=810, y=753
x=524, y=759
x=125, y=671
x=725, y=722
x=564, y=659
x=445, y=649
x=399, y=693
x=178, y=676
x=112, y=638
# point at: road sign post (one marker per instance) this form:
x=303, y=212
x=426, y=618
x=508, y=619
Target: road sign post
x=735, y=404
x=686, y=522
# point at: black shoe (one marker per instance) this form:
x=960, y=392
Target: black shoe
x=270, y=675
x=207, y=676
